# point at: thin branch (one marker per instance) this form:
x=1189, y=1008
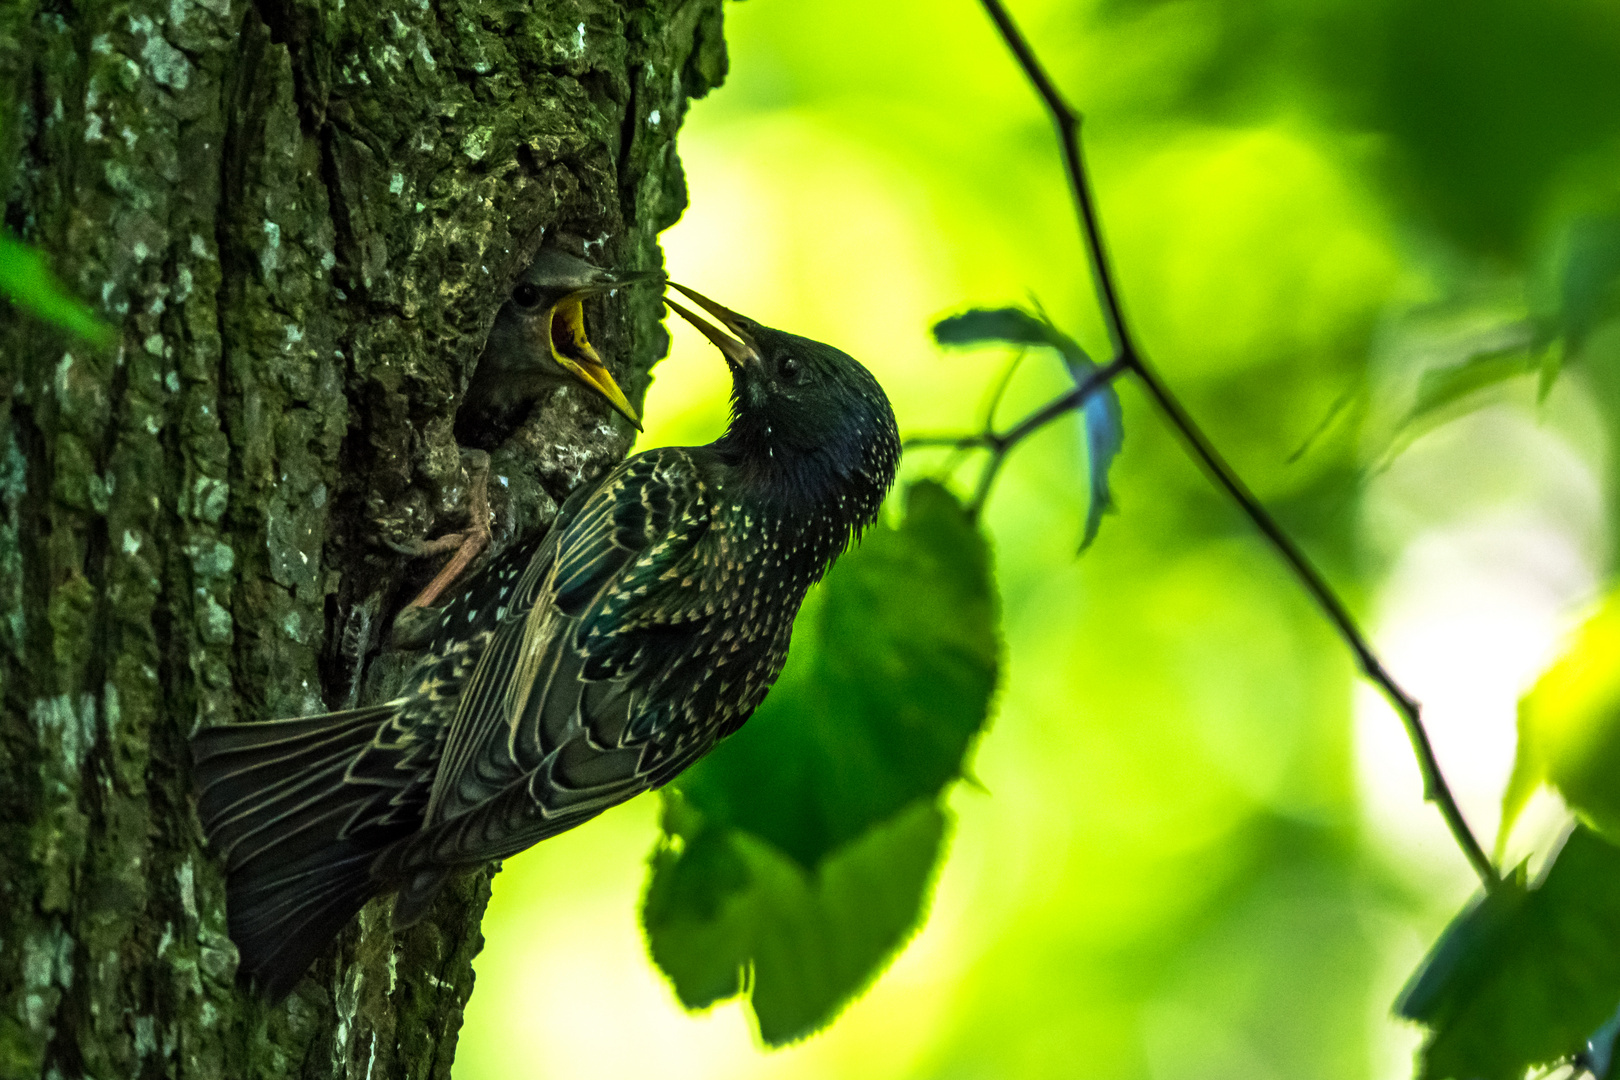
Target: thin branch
x=1000, y=444
x=987, y=480
x=983, y=440
x=1067, y=122
x=1067, y=403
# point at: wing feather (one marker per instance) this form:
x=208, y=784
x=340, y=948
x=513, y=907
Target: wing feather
x=546, y=716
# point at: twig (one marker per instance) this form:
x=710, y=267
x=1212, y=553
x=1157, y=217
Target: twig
x=984, y=440
x=1067, y=122
x=1000, y=444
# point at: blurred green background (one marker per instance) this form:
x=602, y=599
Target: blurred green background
x=1200, y=848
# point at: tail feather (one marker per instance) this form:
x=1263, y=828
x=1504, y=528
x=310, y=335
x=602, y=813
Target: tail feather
x=273, y=776
x=281, y=924
x=297, y=838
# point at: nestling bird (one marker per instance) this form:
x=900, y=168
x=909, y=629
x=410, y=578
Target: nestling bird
x=575, y=671
x=538, y=343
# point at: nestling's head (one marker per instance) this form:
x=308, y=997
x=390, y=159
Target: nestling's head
x=538, y=342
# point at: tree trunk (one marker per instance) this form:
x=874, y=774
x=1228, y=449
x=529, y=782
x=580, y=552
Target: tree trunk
x=301, y=216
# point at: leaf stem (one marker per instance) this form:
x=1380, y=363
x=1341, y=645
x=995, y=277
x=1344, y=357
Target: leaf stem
x=1000, y=391
x=1127, y=357
x=1000, y=444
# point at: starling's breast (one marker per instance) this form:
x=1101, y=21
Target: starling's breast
x=761, y=565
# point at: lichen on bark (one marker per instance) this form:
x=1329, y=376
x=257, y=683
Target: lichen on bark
x=301, y=216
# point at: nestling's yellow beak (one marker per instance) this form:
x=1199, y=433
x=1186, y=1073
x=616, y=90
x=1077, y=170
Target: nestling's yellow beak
x=573, y=351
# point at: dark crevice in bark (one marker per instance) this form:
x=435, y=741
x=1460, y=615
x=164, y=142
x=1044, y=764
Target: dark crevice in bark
x=293, y=25
x=343, y=228
x=243, y=118
x=628, y=128
x=237, y=107
x=32, y=93
x=97, y=542
x=31, y=679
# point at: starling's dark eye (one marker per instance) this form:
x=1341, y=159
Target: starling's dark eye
x=526, y=295
x=787, y=368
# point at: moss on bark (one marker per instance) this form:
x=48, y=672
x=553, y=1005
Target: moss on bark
x=301, y=217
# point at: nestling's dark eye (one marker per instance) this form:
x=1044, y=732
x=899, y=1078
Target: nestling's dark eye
x=787, y=368
x=526, y=295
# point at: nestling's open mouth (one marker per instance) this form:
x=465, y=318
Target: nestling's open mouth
x=573, y=351
x=568, y=331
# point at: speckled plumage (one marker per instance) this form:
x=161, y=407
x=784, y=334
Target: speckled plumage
x=574, y=672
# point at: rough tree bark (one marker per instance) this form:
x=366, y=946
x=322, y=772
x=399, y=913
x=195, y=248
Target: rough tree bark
x=301, y=216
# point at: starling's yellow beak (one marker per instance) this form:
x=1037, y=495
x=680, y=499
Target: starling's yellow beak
x=573, y=351
x=740, y=352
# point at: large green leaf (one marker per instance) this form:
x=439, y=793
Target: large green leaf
x=1468, y=353
x=1524, y=976
x=801, y=850
x=1588, y=277
x=27, y=282
x=1441, y=388
x=724, y=904
x=1581, y=288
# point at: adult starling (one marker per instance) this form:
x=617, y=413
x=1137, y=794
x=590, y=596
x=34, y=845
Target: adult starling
x=575, y=671
x=538, y=342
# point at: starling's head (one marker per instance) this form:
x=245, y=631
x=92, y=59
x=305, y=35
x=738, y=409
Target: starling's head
x=538, y=340
x=804, y=414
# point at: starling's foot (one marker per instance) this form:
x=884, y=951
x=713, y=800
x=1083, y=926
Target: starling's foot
x=421, y=549
x=466, y=544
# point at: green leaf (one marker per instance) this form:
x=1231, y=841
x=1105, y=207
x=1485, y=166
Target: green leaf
x=1104, y=419
x=1529, y=772
x=730, y=905
x=1549, y=367
x=1569, y=728
x=802, y=848
x=1442, y=388
x=1599, y=1057
x=1588, y=277
x=29, y=283
x=989, y=326
x=1524, y=976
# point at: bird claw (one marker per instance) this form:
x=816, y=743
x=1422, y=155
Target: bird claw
x=472, y=542
x=466, y=544
x=418, y=549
